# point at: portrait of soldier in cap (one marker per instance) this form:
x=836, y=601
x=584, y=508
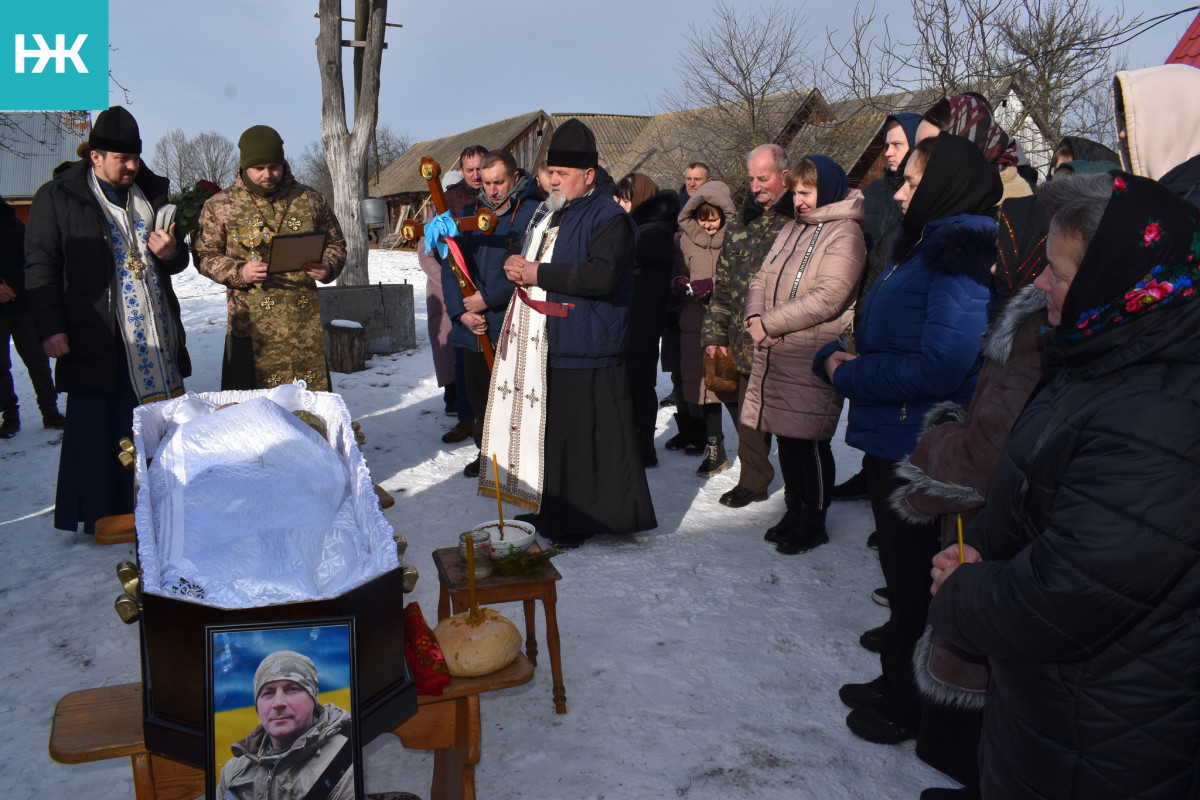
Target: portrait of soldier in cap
x=300, y=747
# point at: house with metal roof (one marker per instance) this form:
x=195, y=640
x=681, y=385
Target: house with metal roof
x=32, y=144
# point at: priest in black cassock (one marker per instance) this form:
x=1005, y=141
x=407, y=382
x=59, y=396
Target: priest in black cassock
x=575, y=281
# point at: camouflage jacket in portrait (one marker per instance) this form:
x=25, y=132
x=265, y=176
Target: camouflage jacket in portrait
x=742, y=254
x=220, y=258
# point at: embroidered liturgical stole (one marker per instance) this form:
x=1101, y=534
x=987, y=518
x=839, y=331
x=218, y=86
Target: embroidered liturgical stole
x=285, y=322
x=515, y=423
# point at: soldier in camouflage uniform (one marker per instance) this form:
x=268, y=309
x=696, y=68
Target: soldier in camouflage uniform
x=274, y=333
x=742, y=254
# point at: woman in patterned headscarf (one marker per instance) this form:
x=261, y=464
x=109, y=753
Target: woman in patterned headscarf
x=969, y=116
x=1082, y=574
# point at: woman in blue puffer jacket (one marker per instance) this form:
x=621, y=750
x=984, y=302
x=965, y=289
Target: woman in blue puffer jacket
x=918, y=345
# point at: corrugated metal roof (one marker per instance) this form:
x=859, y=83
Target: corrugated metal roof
x=402, y=176
x=32, y=144
x=1187, y=50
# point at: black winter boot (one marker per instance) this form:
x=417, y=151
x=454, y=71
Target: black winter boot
x=853, y=488
x=697, y=436
x=775, y=534
x=11, y=424
x=684, y=437
x=714, y=458
x=809, y=533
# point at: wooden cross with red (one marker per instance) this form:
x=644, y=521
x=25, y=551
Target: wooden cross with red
x=484, y=221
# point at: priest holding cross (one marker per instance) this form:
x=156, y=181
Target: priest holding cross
x=559, y=389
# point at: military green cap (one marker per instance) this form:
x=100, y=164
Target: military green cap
x=261, y=144
x=286, y=665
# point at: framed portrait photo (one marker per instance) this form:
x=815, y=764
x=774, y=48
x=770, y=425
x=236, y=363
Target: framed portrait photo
x=283, y=710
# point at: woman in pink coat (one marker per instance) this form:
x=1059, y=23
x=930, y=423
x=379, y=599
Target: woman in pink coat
x=802, y=298
x=702, y=225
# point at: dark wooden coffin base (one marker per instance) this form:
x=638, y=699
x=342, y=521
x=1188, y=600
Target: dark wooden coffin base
x=174, y=659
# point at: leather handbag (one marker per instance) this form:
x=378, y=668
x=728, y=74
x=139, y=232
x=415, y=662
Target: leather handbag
x=720, y=373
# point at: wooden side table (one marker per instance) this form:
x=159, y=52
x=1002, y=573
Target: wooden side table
x=98, y=724
x=497, y=588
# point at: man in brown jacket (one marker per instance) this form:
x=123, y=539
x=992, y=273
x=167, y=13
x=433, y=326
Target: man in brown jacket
x=274, y=333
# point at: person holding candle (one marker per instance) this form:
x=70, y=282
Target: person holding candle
x=1083, y=571
x=923, y=322
x=949, y=472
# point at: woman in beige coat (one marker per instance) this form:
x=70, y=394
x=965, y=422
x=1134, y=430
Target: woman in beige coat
x=802, y=298
x=702, y=225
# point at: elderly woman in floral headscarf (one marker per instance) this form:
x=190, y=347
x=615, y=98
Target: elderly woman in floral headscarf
x=1082, y=579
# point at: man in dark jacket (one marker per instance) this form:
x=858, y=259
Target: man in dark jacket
x=879, y=229
x=746, y=245
x=509, y=194
x=580, y=252
x=17, y=322
x=460, y=196
x=99, y=255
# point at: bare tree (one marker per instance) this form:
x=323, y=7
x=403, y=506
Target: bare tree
x=214, y=158
x=209, y=156
x=312, y=169
x=1060, y=53
x=735, y=76
x=346, y=149
x=386, y=148
x=173, y=159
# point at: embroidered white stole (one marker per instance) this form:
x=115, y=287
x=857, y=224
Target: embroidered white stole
x=143, y=312
x=515, y=424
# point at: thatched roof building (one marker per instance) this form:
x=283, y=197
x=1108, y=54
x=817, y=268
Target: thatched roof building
x=719, y=136
x=849, y=131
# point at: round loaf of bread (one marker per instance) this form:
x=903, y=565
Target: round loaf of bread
x=479, y=649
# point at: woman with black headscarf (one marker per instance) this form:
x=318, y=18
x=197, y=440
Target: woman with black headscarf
x=918, y=345
x=802, y=297
x=947, y=477
x=1082, y=579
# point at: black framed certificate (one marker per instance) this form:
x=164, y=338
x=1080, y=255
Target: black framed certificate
x=291, y=251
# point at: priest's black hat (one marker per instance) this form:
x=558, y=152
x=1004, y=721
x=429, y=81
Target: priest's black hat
x=572, y=145
x=116, y=131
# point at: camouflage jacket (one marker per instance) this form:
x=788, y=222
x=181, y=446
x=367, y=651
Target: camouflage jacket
x=220, y=258
x=742, y=254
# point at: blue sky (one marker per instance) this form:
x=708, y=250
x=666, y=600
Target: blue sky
x=225, y=65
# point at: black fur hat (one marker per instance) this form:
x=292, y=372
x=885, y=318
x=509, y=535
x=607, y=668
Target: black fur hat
x=116, y=131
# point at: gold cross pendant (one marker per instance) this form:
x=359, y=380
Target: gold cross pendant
x=135, y=266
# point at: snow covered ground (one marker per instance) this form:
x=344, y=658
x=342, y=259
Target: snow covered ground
x=698, y=662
